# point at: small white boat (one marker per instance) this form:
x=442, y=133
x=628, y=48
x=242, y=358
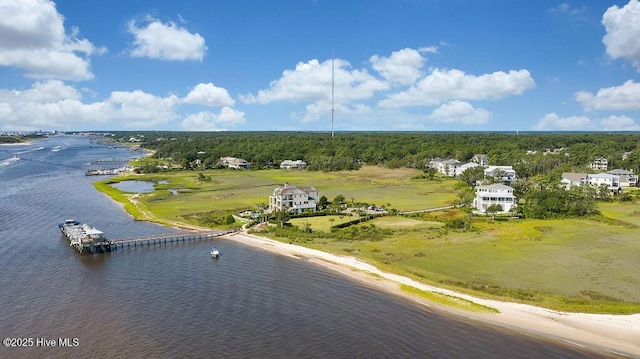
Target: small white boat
x=215, y=253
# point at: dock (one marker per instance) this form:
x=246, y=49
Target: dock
x=86, y=239
x=112, y=160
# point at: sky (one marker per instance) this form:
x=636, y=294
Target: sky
x=288, y=65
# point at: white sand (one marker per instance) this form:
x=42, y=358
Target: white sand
x=619, y=334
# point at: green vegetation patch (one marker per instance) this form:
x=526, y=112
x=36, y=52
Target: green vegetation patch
x=448, y=300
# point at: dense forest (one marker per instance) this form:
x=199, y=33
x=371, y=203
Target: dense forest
x=529, y=153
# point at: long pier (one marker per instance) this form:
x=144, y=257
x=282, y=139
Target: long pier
x=134, y=242
x=112, y=160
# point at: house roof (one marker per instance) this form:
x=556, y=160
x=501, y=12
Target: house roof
x=603, y=175
x=620, y=171
x=573, y=176
x=496, y=186
x=293, y=189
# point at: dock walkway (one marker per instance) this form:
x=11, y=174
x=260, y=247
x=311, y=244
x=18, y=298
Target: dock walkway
x=134, y=242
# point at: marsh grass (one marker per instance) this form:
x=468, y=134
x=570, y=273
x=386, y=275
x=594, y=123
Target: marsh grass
x=580, y=264
x=447, y=300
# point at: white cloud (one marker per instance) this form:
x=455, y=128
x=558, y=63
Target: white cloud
x=165, y=41
x=618, y=123
x=311, y=81
x=623, y=31
x=460, y=112
x=569, y=9
x=553, y=122
x=54, y=105
x=140, y=109
x=624, y=97
x=402, y=67
x=443, y=85
x=209, y=121
x=208, y=95
x=49, y=104
x=322, y=110
x=33, y=38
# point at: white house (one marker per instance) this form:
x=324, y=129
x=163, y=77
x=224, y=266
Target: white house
x=599, y=164
x=481, y=159
x=573, y=179
x=293, y=199
x=450, y=167
x=233, y=162
x=598, y=179
x=508, y=173
x=627, y=177
x=446, y=166
x=289, y=164
x=494, y=194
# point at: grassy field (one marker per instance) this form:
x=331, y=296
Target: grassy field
x=586, y=264
x=229, y=190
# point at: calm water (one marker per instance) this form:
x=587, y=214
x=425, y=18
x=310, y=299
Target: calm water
x=175, y=301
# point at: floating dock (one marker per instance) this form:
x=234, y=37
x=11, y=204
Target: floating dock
x=86, y=239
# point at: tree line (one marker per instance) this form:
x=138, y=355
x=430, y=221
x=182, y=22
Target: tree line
x=349, y=150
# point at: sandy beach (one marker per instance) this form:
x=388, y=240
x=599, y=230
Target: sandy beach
x=610, y=334
x=15, y=144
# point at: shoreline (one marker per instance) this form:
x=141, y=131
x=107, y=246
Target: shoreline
x=604, y=333
x=607, y=334
x=16, y=144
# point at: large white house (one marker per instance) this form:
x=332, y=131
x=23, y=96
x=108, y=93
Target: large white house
x=233, y=162
x=573, y=179
x=599, y=164
x=289, y=164
x=481, y=159
x=450, y=167
x=595, y=180
x=605, y=179
x=294, y=199
x=494, y=194
x=627, y=177
x=506, y=173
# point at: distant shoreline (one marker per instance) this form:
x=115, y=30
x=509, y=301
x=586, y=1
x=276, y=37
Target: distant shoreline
x=16, y=144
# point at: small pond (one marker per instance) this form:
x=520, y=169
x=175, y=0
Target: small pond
x=134, y=186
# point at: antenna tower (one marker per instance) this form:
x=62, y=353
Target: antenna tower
x=332, y=92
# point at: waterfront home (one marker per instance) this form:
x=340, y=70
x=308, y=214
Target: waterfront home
x=604, y=179
x=504, y=174
x=450, y=167
x=233, y=162
x=293, y=199
x=627, y=177
x=446, y=166
x=573, y=179
x=289, y=164
x=599, y=164
x=596, y=180
x=494, y=194
x=480, y=159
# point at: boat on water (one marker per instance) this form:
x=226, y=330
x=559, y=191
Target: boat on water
x=215, y=253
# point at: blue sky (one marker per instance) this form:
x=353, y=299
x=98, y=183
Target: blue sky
x=247, y=65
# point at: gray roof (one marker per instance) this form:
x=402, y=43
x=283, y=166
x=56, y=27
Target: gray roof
x=573, y=177
x=496, y=186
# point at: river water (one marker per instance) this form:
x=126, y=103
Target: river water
x=175, y=301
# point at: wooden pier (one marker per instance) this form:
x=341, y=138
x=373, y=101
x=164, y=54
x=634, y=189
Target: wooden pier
x=185, y=236
x=112, y=160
